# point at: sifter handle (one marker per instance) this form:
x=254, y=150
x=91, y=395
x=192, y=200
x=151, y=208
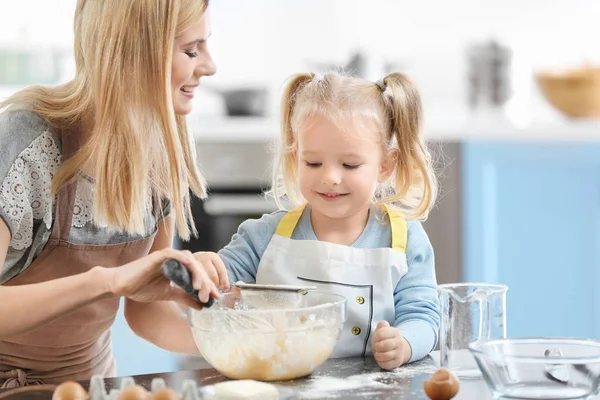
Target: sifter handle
x=177, y=273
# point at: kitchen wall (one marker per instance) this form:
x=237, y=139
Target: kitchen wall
x=260, y=42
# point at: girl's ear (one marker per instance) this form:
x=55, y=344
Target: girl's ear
x=388, y=165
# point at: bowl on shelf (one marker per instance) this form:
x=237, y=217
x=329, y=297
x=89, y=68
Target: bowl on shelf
x=245, y=102
x=539, y=368
x=573, y=92
x=269, y=335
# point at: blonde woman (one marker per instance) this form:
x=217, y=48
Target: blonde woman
x=353, y=162
x=94, y=177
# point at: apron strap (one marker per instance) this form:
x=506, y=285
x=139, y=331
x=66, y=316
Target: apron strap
x=16, y=378
x=289, y=221
x=398, y=226
x=65, y=196
x=399, y=229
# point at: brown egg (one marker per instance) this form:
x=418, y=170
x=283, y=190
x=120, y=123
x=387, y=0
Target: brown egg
x=443, y=385
x=135, y=392
x=165, y=394
x=69, y=390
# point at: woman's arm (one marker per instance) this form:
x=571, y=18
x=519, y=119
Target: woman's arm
x=164, y=324
x=140, y=280
x=161, y=323
x=41, y=303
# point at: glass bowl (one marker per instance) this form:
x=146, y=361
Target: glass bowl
x=539, y=368
x=269, y=335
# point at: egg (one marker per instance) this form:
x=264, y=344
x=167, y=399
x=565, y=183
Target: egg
x=443, y=385
x=135, y=392
x=165, y=394
x=69, y=390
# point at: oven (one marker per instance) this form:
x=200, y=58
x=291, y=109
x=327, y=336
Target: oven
x=218, y=217
x=237, y=174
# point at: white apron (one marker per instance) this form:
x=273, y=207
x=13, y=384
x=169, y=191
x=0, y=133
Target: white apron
x=366, y=277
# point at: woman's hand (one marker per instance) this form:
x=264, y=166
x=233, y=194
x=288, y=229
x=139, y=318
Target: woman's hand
x=142, y=280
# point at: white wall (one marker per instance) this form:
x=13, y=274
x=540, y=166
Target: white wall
x=260, y=37
x=263, y=41
x=37, y=21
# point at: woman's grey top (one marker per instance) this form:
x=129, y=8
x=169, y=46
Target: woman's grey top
x=30, y=154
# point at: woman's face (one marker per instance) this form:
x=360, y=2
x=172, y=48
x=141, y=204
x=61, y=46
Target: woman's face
x=191, y=61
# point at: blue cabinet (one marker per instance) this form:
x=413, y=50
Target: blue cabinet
x=136, y=356
x=531, y=220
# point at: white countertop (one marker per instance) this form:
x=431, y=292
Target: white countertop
x=445, y=127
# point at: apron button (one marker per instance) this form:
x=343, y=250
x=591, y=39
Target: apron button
x=356, y=330
x=360, y=299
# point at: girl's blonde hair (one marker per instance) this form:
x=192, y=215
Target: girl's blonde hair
x=391, y=106
x=121, y=94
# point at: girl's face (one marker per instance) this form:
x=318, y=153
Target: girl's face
x=191, y=61
x=339, y=168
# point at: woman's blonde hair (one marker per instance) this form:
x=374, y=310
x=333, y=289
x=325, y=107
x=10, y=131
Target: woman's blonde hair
x=122, y=94
x=392, y=106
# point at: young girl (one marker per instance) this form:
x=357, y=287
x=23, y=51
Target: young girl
x=353, y=161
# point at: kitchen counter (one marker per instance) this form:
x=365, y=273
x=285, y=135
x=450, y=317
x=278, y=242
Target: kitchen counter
x=349, y=378
x=451, y=126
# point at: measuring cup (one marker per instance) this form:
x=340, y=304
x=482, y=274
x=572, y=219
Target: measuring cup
x=469, y=312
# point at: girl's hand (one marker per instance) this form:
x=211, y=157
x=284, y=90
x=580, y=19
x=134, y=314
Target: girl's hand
x=142, y=280
x=390, y=349
x=214, y=268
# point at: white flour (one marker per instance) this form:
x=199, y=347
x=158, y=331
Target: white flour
x=369, y=383
x=403, y=372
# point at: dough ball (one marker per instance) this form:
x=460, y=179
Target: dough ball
x=245, y=389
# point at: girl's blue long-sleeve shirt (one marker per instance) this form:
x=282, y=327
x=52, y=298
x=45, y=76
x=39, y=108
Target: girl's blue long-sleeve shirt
x=416, y=299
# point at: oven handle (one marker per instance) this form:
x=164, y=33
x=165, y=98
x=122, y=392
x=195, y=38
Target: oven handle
x=238, y=204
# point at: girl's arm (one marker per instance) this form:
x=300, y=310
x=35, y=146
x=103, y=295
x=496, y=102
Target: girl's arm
x=242, y=255
x=416, y=297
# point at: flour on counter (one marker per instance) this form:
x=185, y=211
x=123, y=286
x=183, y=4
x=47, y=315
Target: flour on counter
x=368, y=383
x=403, y=372
x=325, y=384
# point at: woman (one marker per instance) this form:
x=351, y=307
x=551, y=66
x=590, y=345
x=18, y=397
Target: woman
x=95, y=176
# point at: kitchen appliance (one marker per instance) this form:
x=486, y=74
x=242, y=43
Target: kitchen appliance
x=470, y=312
x=237, y=174
x=489, y=75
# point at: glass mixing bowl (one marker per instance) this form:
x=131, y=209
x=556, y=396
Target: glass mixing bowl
x=539, y=368
x=269, y=335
